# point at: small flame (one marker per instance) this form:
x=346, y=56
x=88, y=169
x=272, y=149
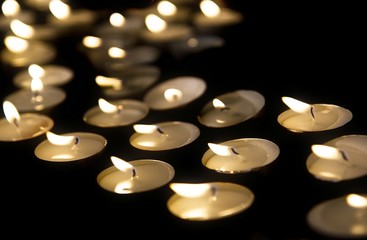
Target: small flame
x=356, y=201
x=115, y=83
x=59, y=139
x=11, y=112
x=296, y=105
x=59, y=9
x=10, y=8
x=328, y=152
x=36, y=85
x=166, y=8
x=155, y=23
x=107, y=107
x=92, y=41
x=218, y=104
x=115, y=52
x=191, y=190
x=21, y=29
x=209, y=8
x=117, y=19
x=145, y=128
x=16, y=44
x=222, y=150
x=36, y=71
x=172, y=95
x=122, y=165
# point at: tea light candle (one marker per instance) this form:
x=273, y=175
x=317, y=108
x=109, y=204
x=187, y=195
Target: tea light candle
x=175, y=92
x=240, y=155
x=11, y=10
x=231, y=108
x=343, y=217
x=116, y=113
x=208, y=201
x=135, y=176
x=304, y=117
x=55, y=75
x=69, y=147
x=339, y=159
x=164, y=135
x=17, y=127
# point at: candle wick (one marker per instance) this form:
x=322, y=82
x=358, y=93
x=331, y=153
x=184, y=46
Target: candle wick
x=312, y=112
x=344, y=155
x=160, y=130
x=16, y=122
x=37, y=97
x=214, y=192
x=134, y=172
x=234, y=151
x=76, y=140
x=120, y=108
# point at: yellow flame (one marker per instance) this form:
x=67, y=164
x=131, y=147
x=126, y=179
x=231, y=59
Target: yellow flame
x=10, y=8
x=222, y=150
x=92, y=41
x=106, y=106
x=11, y=112
x=59, y=9
x=145, y=128
x=209, y=8
x=36, y=71
x=122, y=165
x=21, y=29
x=191, y=190
x=16, y=44
x=166, y=8
x=117, y=19
x=116, y=52
x=155, y=23
x=327, y=152
x=296, y=105
x=218, y=103
x=356, y=200
x=36, y=85
x=172, y=95
x=59, y=139
x=115, y=83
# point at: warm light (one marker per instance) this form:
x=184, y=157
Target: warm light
x=116, y=52
x=192, y=42
x=166, y=8
x=172, y=94
x=11, y=112
x=145, y=128
x=117, y=19
x=328, y=152
x=222, y=150
x=92, y=42
x=59, y=9
x=16, y=44
x=209, y=8
x=107, y=107
x=115, y=83
x=36, y=85
x=357, y=201
x=155, y=23
x=191, y=190
x=124, y=187
x=122, y=165
x=59, y=139
x=10, y=8
x=21, y=29
x=218, y=104
x=36, y=71
x=296, y=105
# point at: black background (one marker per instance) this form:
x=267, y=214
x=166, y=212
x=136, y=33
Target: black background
x=310, y=51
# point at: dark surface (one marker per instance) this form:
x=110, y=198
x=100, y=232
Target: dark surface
x=310, y=52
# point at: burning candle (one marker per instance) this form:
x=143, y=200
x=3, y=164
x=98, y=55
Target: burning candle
x=240, y=155
x=343, y=217
x=304, y=117
x=231, y=108
x=208, y=201
x=135, y=176
x=11, y=10
x=175, y=92
x=116, y=113
x=16, y=127
x=340, y=159
x=164, y=135
x=69, y=147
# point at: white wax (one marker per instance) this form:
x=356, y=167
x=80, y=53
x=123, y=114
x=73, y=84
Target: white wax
x=231, y=199
x=225, y=18
x=150, y=174
x=240, y=105
x=30, y=125
x=335, y=218
x=190, y=87
x=133, y=111
x=88, y=145
x=176, y=134
x=54, y=75
x=326, y=116
x=253, y=153
x=22, y=99
x=173, y=32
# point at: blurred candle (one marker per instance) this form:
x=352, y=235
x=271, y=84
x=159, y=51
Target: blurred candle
x=208, y=201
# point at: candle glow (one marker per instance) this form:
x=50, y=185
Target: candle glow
x=21, y=29
x=154, y=23
x=10, y=8
x=103, y=81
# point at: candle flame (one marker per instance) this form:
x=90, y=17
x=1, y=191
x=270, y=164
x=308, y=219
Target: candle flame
x=117, y=19
x=166, y=8
x=296, y=105
x=209, y=8
x=59, y=139
x=59, y=9
x=21, y=29
x=191, y=190
x=115, y=52
x=36, y=71
x=36, y=85
x=155, y=23
x=107, y=107
x=356, y=200
x=92, y=41
x=122, y=165
x=172, y=94
x=11, y=112
x=10, y=8
x=218, y=104
x=115, y=83
x=16, y=44
x=145, y=128
x=223, y=150
x=328, y=152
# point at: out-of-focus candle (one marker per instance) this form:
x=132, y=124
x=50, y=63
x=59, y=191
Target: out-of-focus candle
x=69, y=147
x=11, y=10
x=164, y=135
x=17, y=127
x=339, y=159
x=208, y=201
x=175, y=92
x=304, y=117
x=135, y=176
x=343, y=217
x=240, y=155
x=231, y=108
x=116, y=113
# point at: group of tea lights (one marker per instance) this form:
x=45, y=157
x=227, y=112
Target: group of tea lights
x=339, y=159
